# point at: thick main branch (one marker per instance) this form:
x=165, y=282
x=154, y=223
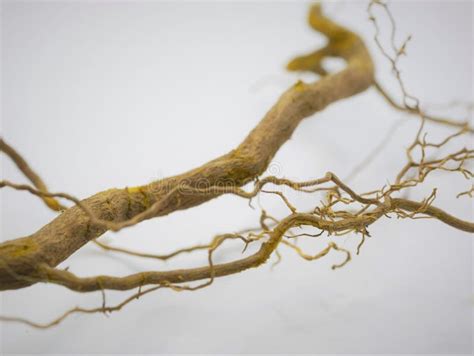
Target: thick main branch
x=72, y=229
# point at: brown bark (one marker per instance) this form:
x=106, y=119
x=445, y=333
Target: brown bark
x=72, y=229
x=27, y=260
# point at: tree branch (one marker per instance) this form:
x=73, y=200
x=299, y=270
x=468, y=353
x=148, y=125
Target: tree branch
x=33, y=259
x=72, y=229
x=30, y=174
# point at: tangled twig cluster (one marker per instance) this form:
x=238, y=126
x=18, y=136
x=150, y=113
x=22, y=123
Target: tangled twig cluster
x=343, y=211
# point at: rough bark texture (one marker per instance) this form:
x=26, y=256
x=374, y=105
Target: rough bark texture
x=27, y=260
x=72, y=229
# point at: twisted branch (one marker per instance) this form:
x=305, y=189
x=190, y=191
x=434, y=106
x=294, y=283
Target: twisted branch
x=73, y=228
x=33, y=259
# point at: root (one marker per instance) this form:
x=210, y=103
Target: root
x=344, y=210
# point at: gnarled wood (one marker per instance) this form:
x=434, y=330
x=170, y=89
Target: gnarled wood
x=72, y=229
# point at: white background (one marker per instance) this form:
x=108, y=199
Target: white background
x=106, y=94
